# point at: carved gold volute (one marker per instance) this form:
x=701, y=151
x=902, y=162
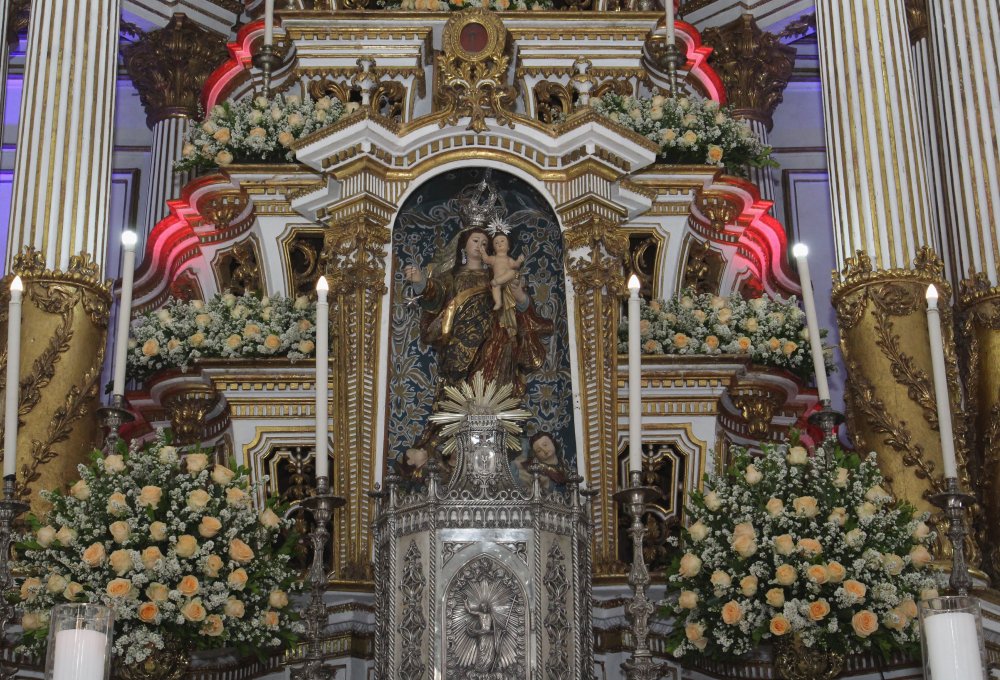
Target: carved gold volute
x=917, y=20
x=755, y=66
x=169, y=66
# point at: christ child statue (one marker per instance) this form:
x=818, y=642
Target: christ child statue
x=503, y=265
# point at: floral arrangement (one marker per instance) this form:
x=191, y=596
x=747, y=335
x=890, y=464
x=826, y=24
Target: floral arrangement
x=692, y=131
x=789, y=545
x=171, y=545
x=772, y=332
x=255, y=130
x=449, y=5
x=226, y=326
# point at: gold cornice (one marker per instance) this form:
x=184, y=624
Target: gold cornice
x=858, y=271
x=82, y=271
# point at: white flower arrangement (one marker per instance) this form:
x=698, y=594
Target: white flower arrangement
x=450, y=5
x=771, y=332
x=172, y=545
x=226, y=326
x=788, y=544
x=689, y=131
x=255, y=130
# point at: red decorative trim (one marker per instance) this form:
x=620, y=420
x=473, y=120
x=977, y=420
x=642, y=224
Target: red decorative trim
x=696, y=54
x=225, y=78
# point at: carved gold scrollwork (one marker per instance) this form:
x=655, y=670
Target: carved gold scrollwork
x=388, y=99
x=718, y=209
x=303, y=257
x=329, y=88
x=473, y=82
x=757, y=408
x=703, y=268
x=238, y=269
x=620, y=87
x=553, y=101
x=188, y=412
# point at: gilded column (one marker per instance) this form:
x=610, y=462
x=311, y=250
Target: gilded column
x=58, y=231
x=885, y=244
x=755, y=66
x=353, y=260
x=169, y=67
x=596, y=250
x=964, y=44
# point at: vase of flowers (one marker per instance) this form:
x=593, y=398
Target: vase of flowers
x=173, y=545
x=807, y=552
x=689, y=131
x=226, y=326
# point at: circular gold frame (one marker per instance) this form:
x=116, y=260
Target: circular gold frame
x=496, y=35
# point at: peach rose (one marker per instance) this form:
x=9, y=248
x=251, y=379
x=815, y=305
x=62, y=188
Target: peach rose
x=694, y=631
x=774, y=344
x=893, y=564
x=784, y=544
x=194, y=611
x=681, y=341
x=744, y=545
x=908, y=607
x=187, y=545
x=213, y=565
x=805, y=506
x=838, y=516
x=744, y=343
x=34, y=620
x=895, y=619
x=150, y=348
x=307, y=346
x=818, y=610
x=753, y=475
x=837, y=572
x=920, y=557
x=775, y=597
x=240, y=551
x=866, y=510
x=785, y=575
x=810, y=547
x=690, y=565
x=921, y=531
x=66, y=536
x=929, y=593
x=198, y=499
x=56, y=583
x=157, y=592
x=237, y=579
x=148, y=611
x=119, y=587
x=150, y=556
x=732, y=613
x=158, y=531
x=712, y=342
x=721, y=580
x=234, y=608
x=817, y=573
x=270, y=618
x=714, y=153
x=797, y=455
x=45, y=536
x=269, y=519
x=94, y=555
x=855, y=589
x=272, y=342
x=222, y=475
x=117, y=503
x=114, y=463
x=223, y=158
x=688, y=599
x=30, y=588
x=779, y=625
x=236, y=496
x=150, y=496
x=213, y=626
x=119, y=531
x=698, y=531
x=748, y=585
x=854, y=537
x=864, y=623
x=198, y=339
x=840, y=481
x=121, y=561
x=788, y=348
x=196, y=462
x=73, y=590
x=877, y=494
x=775, y=507
x=188, y=586
x=209, y=526
x=278, y=599
x=712, y=501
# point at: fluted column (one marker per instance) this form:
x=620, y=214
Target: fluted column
x=964, y=46
x=886, y=244
x=58, y=232
x=169, y=67
x=755, y=66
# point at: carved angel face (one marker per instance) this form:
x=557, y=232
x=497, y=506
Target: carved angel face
x=545, y=450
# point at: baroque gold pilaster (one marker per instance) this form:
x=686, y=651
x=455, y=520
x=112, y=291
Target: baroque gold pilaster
x=64, y=327
x=353, y=260
x=890, y=390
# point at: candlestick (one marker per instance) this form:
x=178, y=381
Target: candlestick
x=13, y=377
x=940, y=384
x=322, y=376
x=634, y=378
x=124, y=312
x=668, y=6
x=801, y=253
x=268, y=22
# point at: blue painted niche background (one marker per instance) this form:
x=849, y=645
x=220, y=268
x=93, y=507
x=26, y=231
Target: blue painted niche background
x=427, y=222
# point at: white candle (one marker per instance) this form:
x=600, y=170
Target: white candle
x=953, y=647
x=124, y=312
x=940, y=384
x=268, y=22
x=671, y=30
x=634, y=378
x=13, y=378
x=322, y=376
x=801, y=252
x=79, y=655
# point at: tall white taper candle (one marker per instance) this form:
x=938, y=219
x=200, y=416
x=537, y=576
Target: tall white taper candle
x=941, y=384
x=124, y=312
x=322, y=376
x=801, y=253
x=634, y=377
x=268, y=22
x=671, y=29
x=13, y=378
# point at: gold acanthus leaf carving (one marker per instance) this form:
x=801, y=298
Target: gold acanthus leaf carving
x=927, y=267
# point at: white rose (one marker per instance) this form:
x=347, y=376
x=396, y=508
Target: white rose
x=168, y=455
x=114, y=463
x=797, y=455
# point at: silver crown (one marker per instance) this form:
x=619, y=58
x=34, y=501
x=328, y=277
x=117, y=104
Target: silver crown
x=481, y=206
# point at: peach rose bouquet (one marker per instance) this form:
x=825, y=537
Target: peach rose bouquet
x=791, y=544
x=173, y=544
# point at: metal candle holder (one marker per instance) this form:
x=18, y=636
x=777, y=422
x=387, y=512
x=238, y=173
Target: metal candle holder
x=10, y=510
x=321, y=506
x=267, y=60
x=954, y=501
x=112, y=417
x=671, y=61
x=828, y=420
x=635, y=498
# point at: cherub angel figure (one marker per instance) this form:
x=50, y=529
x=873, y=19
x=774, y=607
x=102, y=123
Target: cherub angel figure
x=505, y=268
